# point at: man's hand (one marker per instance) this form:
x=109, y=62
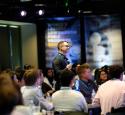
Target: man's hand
x=69, y=66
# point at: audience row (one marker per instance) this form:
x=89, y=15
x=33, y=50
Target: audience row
x=79, y=89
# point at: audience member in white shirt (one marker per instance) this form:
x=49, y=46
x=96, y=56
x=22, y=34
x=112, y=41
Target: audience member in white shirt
x=32, y=93
x=21, y=110
x=67, y=99
x=111, y=94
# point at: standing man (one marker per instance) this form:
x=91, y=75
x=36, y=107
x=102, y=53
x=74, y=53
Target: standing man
x=61, y=62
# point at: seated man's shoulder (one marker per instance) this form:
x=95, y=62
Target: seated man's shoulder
x=56, y=93
x=71, y=92
x=22, y=88
x=76, y=94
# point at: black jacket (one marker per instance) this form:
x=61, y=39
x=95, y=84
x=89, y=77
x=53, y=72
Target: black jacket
x=59, y=64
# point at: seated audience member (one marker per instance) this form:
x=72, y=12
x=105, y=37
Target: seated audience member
x=19, y=75
x=49, y=77
x=32, y=93
x=45, y=88
x=85, y=85
x=9, y=96
x=22, y=110
x=111, y=94
x=102, y=76
x=15, y=83
x=67, y=99
x=27, y=67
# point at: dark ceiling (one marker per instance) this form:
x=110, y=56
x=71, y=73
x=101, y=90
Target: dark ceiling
x=9, y=9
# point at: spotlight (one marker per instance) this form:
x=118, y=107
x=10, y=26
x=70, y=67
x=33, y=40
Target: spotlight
x=41, y=12
x=23, y=13
x=79, y=11
x=68, y=11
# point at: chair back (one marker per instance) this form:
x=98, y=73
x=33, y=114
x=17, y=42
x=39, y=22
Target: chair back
x=118, y=111
x=71, y=113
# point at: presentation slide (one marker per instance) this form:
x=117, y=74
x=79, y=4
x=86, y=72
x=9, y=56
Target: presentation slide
x=103, y=40
x=63, y=29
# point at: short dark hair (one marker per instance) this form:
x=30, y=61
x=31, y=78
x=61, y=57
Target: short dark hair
x=66, y=77
x=59, y=45
x=103, y=70
x=27, y=67
x=115, y=71
x=30, y=77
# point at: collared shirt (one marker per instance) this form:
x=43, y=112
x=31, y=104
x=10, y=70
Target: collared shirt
x=110, y=94
x=67, y=99
x=32, y=93
x=86, y=88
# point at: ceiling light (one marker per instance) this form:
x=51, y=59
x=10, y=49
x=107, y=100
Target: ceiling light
x=41, y=12
x=23, y=13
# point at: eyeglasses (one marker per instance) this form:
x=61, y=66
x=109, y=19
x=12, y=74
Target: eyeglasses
x=67, y=45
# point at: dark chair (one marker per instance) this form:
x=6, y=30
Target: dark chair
x=71, y=113
x=121, y=109
x=118, y=111
x=95, y=111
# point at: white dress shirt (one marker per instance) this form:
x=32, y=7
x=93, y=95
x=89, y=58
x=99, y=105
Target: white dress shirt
x=110, y=94
x=67, y=99
x=21, y=110
x=35, y=94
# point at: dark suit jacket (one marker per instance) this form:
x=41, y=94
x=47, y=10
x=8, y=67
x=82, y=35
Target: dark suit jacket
x=59, y=64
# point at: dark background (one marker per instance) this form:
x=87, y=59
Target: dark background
x=9, y=10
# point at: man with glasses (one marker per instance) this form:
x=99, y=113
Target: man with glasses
x=61, y=62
